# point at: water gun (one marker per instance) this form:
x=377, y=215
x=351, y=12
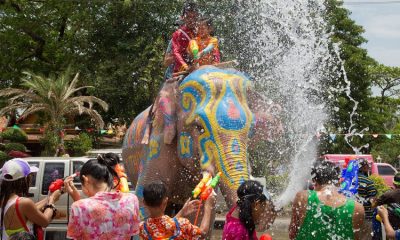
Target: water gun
x=123, y=178
x=349, y=184
x=205, y=188
x=201, y=185
x=208, y=49
x=194, y=49
x=59, y=183
x=56, y=185
x=265, y=237
x=210, y=187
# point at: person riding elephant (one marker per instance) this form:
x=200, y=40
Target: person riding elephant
x=203, y=123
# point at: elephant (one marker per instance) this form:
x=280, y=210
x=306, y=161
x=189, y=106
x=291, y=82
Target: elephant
x=202, y=123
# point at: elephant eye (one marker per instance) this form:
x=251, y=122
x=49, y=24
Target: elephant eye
x=199, y=128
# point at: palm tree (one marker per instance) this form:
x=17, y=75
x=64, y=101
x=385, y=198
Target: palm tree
x=56, y=99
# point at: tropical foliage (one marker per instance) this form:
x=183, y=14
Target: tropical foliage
x=14, y=135
x=55, y=98
x=79, y=145
x=380, y=184
x=3, y=158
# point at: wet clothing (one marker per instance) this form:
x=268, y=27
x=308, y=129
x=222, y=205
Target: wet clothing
x=166, y=227
x=323, y=222
x=210, y=49
x=234, y=228
x=106, y=215
x=8, y=232
x=180, y=43
x=366, y=191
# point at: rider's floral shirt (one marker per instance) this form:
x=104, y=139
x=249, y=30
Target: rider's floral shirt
x=168, y=228
x=106, y=215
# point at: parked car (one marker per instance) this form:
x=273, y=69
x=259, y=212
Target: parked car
x=385, y=170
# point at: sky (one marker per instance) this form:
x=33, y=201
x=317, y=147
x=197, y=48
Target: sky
x=381, y=21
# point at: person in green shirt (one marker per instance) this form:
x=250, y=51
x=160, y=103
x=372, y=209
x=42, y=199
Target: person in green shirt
x=324, y=213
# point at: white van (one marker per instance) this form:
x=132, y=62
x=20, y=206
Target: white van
x=50, y=169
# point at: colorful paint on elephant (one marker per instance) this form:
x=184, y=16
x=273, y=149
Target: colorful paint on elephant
x=216, y=99
x=135, y=132
x=185, y=145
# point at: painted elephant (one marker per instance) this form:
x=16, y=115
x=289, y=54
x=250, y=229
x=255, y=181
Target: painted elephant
x=202, y=123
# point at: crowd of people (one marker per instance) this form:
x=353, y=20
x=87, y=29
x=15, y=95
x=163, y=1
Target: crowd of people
x=110, y=214
x=106, y=213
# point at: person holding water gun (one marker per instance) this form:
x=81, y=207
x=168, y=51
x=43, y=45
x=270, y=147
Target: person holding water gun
x=161, y=226
x=390, y=232
x=249, y=211
x=392, y=200
x=107, y=213
x=204, y=48
x=182, y=37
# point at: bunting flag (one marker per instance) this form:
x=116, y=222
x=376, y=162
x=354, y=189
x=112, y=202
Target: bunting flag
x=16, y=127
x=332, y=136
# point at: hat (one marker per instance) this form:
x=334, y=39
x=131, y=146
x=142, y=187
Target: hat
x=362, y=162
x=15, y=169
x=396, y=179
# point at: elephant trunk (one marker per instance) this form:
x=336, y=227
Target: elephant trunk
x=233, y=164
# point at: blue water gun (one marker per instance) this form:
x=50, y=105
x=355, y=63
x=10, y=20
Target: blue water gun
x=349, y=183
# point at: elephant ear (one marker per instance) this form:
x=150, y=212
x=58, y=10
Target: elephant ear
x=162, y=114
x=167, y=106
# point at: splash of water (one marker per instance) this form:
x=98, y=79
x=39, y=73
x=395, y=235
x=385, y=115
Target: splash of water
x=352, y=130
x=285, y=48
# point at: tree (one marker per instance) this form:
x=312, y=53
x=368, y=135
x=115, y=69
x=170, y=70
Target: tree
x=356, y=63
x=385, y=109
x=56, y=99
x=387, y=79
x=117, y=46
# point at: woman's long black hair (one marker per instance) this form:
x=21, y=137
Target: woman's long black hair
x=102, y=169
x=19, y=187
x=248, y=193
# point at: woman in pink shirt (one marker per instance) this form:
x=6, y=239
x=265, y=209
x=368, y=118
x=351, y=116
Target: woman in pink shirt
x=249, y=211
x=106, y=214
